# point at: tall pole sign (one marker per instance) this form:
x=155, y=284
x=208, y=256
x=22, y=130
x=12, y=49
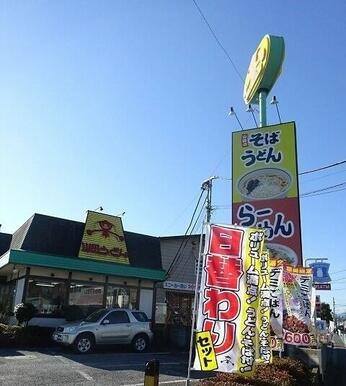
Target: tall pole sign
x=264, y=163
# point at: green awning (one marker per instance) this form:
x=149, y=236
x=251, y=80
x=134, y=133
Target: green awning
x=82, y=265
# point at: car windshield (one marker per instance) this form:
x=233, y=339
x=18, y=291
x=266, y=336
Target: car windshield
x=95, y=316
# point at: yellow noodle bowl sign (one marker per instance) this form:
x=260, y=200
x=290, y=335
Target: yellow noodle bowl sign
x=265, y=67
x=103, y=239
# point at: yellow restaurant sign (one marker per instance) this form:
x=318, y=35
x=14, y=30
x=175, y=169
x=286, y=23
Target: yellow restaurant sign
x=265, y=67
x=103, y=239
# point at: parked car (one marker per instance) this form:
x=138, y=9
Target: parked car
x=107, y=326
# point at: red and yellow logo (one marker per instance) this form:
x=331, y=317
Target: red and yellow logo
x=103, y=239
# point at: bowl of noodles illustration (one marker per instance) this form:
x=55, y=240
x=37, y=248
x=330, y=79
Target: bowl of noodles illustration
x=265, y=184
x=282, y=252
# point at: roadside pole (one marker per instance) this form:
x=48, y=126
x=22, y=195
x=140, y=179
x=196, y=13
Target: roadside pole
x=206, y=185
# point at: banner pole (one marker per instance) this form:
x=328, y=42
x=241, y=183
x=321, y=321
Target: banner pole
x=195, y=304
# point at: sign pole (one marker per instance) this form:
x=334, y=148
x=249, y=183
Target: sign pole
x=195, y=305
x=206, y=185
x=262, y=101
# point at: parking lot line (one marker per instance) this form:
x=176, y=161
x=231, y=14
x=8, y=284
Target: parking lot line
x=85, y=375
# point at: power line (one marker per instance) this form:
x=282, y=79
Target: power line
x=323, y=168
x=307, y=171
x=186, y=232
x=218, y=41
x=324, y=189
x=180, y=214
x=342, y=278
x=339, y=289
x=321, y=194
x=188, y=238
x=342, y=270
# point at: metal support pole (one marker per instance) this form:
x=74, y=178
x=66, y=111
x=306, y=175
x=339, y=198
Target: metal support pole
x=195, y=305
x=262, y=100
x=206, y=185
x=334, y=315
x=208, y=206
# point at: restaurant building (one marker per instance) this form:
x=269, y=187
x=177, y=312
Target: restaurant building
x=175, y=295
x=60, y=265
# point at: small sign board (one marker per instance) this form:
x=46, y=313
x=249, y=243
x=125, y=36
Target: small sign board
x=320, y=272
x=177, y=285
x=323, y=286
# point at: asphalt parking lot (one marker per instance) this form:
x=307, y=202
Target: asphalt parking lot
x=60, y=367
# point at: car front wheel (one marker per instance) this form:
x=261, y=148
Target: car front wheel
x=140, y=343
x=84, y=343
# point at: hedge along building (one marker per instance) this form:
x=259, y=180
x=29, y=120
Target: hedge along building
x=55, y=263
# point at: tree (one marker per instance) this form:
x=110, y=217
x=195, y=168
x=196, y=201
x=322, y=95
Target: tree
x=24, y=312
x=326, y=312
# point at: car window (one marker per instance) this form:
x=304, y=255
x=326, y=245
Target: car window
x=140, y=316
x=118, y=317
x=95, y=316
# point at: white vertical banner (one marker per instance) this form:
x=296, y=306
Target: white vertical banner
x=276, y=307
x=226, y=338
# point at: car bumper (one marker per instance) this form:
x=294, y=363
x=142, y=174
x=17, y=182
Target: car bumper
x=63, y=338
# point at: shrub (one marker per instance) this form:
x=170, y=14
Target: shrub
x=30, y=336
x=24, y=312
x=282, y=372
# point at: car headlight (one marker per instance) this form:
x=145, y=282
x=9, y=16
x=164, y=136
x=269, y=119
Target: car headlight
x=68, y=330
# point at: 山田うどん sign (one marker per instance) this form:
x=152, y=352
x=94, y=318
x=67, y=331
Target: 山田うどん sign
x=103, y=239
x=265, y=187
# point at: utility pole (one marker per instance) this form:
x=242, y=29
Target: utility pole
x=334, y=314
x=208, y=186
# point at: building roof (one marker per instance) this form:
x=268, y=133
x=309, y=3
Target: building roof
x=5, y=242
x=85, y=265
x=56, y=236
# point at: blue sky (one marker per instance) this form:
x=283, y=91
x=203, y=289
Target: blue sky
x=124, y=104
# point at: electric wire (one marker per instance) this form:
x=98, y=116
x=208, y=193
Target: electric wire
x=186, y=240
x=334, y=273
x=186, y=232
x=321, y=194
x=324, y=189
x=323, y=168
x=218, y=41
x=180, y=214
x=187, y=257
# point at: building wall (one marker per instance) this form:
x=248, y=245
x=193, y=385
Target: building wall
x=184, y=269
x=182, y=274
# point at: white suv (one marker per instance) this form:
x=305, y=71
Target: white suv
x=107, y=326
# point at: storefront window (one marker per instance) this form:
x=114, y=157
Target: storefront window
x=121, y=297
x=6, y=298
x=46, y=296
x=179, y=308
x=88, y=297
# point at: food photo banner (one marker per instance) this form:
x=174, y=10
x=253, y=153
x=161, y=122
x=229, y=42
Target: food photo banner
x=297, y=312
x=265, y=187
x=227, y=332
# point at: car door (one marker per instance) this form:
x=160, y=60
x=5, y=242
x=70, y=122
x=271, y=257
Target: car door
x=115, y=328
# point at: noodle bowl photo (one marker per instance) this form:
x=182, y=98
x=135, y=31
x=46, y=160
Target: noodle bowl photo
x=265, y=184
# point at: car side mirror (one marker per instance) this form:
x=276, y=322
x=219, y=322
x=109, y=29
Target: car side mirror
x=105, y=321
